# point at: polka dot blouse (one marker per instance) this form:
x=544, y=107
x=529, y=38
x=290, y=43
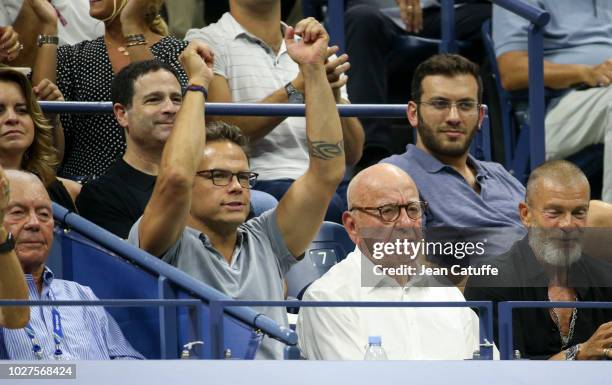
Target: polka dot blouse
x=84, y=73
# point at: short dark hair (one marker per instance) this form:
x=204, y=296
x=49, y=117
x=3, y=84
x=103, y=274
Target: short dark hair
x=220, y=130
x=122, y=88
x=446, y=65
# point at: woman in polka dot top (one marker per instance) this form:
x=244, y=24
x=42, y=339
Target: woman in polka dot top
x=134, y=31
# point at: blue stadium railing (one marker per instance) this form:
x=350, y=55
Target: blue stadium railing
x=481, y=145
x=537, y=105
x=114, y=269
x=485, y=313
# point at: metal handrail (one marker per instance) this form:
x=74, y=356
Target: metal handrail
x=485, y=315
x=243, y=109
x=537, y=106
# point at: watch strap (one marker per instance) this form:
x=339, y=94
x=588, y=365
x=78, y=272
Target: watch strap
x=293, y=94
x=8, y=244
x=47, y=39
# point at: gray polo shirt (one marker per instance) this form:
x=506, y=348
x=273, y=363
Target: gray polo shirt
x=256, y=272
x=579, y=32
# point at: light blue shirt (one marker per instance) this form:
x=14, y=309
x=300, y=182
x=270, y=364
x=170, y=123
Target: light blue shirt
x=90, y=333
x=579, y=31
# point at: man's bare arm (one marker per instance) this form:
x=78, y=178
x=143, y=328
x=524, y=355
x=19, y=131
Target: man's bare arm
x=308, y=197
x=166, y=213
x=514, y=65
x=255, y=127
x=12, y=281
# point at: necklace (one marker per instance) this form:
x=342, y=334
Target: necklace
x=565, y=339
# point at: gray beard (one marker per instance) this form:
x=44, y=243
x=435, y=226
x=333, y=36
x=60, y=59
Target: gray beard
x=546, y=252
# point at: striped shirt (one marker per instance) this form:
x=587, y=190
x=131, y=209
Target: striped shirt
x=254, y=71
x=90, y=333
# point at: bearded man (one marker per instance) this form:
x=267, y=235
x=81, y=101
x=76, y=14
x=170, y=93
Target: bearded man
x=549, y=265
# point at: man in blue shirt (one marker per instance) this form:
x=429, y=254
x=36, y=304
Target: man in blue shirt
x=577, y=54
x=462, y=191
x=62, y=333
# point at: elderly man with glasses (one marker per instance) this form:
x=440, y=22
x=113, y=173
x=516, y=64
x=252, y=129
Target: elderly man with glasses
x=384, y=204
x=196, y=217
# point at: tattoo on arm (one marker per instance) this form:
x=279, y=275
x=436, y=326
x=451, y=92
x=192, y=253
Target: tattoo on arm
x=324, y=150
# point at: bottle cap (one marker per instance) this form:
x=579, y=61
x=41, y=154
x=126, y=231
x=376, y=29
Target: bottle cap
x=374, y=340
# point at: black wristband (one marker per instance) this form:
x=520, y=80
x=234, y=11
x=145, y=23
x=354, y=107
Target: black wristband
x=194, y=87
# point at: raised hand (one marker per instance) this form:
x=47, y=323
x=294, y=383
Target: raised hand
x=336, y=69
x=10, y=47
x=5, y=193
x=411, y=14
x=197, y=60
x=312, y=47
x=48, y=91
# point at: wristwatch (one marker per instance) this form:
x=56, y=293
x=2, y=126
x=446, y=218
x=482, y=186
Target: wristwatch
x=47, y=39
x=8, y=245
x=572, y=352
x=293, y=95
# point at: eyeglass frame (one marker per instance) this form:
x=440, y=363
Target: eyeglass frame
x=423, y=204
x=450, y=106
x=252, y=177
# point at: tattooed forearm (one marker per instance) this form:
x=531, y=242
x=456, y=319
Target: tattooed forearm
x=324, y=150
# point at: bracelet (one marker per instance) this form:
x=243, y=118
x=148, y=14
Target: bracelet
x=194, y=87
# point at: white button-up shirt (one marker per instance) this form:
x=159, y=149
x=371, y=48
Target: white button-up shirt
x=327, y=333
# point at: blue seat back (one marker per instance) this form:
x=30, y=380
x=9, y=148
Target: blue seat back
x=331, y=245
x=156, y=332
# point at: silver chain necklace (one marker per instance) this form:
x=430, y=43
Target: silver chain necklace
x=565, y=339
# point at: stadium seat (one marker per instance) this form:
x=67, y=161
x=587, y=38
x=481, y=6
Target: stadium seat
x=331, y=245
x=262, y=201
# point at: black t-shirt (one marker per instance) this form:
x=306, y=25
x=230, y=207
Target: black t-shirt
x=58, y=194
x=117, y=199
x=522, y=278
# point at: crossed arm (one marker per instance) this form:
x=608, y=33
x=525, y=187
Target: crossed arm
x=514, y=65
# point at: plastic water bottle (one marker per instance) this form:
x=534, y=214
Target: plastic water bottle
x=374, y=350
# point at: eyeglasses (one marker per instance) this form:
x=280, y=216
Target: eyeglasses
x=464, y=107
x=391, y=212
x=246, y=179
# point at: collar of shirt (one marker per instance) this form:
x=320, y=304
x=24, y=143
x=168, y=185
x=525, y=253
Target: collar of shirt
x=240, y=239
x=235, y=30
x=377, y=282
x=432, y=165
x=135, y=178
x=47, y=278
